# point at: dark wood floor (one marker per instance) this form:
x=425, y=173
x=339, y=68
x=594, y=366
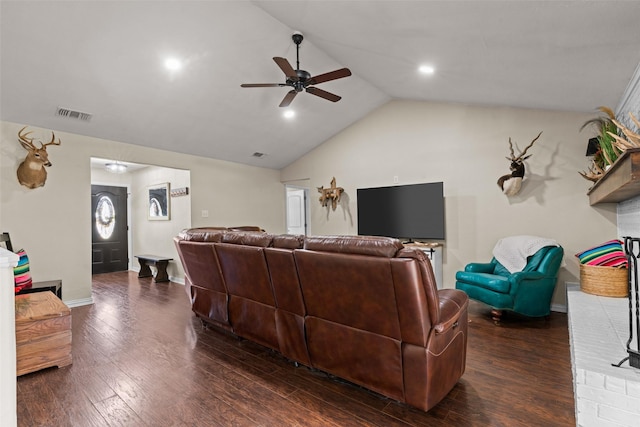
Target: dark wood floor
x=141, y=358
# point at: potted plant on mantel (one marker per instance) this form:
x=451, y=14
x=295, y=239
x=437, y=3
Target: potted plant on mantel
x=613, y=139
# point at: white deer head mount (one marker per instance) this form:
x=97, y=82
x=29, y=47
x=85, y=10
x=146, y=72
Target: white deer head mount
x=32, y=172
x=511, y=184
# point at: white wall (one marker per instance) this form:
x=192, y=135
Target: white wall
x=465, y=147
x=53, y=223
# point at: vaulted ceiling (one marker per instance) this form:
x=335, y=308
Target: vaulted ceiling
x=107, y=58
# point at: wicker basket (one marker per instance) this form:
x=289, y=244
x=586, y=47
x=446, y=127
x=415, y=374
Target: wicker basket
x=603, y=281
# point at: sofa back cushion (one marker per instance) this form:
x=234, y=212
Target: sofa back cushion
x=248, y=238
x=251, y=301
x=201, y=265
x=352, y=290
x=352, y=324
x=356, y=245
x=207, y=291
x=203, y=234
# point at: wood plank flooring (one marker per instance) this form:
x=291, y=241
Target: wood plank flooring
x=141, y=358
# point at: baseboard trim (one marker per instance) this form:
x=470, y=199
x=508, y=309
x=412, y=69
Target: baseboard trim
x=79, y=302
x=178, y=280
x=560, y=308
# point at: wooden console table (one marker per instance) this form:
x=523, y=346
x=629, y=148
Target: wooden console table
x=159, y=262
x=43, y=332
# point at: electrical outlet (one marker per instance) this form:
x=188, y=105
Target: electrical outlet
x=205, y=214
x=395, y=179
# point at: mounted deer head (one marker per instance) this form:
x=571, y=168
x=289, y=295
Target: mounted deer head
x=32, y=172
x=510, y=184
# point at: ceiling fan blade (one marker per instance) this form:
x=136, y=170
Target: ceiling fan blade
x=286, y=68
x=262, y=85
x=332, y=75
x=288, y=98
x=324, y=94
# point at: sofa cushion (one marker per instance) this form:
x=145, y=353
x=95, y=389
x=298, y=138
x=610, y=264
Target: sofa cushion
x=357, y=245
x=288, y=241
x=492, y=282
x=204, y=234
x=248, y=238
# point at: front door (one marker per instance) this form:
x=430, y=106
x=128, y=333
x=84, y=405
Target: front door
x=109, y=224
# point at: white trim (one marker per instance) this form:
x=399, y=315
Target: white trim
x=8, y=399
x=178, y=280
x=560, y=308
x=630, y=101
x=79, y=302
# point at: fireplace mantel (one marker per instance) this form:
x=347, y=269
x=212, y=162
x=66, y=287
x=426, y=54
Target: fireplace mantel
x=621, y=182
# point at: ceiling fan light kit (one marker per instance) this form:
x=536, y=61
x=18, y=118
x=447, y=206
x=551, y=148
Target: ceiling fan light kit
x=301, y=80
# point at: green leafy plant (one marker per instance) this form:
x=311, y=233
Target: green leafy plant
x=605, y=125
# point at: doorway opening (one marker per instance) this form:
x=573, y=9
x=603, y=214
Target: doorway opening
x=145, y=233
x=297, y=209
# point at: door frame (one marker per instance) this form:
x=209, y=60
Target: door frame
x=307, y=206
x=129, y=231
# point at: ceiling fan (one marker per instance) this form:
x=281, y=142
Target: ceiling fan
x=301, y=80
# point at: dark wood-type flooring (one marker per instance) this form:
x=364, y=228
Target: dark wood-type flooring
x=141, y=358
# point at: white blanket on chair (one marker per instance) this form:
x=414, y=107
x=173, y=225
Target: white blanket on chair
x=512, y=252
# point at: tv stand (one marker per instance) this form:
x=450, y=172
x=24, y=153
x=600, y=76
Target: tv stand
x=433, y=251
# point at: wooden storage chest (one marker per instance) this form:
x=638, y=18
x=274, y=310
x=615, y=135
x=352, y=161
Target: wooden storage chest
x=43, y=332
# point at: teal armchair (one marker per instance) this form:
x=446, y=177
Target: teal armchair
x=526, y=292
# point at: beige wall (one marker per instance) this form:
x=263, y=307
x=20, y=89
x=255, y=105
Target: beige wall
x=53, y=223
x=465, y=147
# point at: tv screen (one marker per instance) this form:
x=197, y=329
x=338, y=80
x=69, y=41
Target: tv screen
x=404, y=211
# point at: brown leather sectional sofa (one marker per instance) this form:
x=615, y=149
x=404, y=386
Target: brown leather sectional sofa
x=365, y=309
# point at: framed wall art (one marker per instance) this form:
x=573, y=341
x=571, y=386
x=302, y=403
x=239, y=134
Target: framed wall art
x=159, y=202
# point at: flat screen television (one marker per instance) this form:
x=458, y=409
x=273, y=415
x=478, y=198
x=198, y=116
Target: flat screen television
x=405, y=211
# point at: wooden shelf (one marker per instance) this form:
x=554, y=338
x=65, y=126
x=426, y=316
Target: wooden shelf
x=621, y=182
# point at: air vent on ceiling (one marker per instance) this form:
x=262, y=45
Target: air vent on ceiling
x=258, y=154
x=73, y=114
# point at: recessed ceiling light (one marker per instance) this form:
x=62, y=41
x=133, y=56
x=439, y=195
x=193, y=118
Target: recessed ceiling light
x=172, y=64
x=426, y=69
x=289, y=114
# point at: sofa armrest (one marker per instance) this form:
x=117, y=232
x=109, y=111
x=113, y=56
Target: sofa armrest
x=479, y=267
x=453, y=303
x=519, y=276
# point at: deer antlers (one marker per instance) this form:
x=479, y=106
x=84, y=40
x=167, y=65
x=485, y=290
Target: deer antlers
x=27, y=143
x=520, y=158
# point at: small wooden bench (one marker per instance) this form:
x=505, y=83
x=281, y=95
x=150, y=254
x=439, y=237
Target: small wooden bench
x=43, y=332
x=159, y=262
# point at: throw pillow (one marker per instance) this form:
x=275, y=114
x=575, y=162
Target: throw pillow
x=21, y=272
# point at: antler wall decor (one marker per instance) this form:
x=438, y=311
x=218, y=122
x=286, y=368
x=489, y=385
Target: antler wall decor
x=511, y=184
x=332, y=193
x=32, y=172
